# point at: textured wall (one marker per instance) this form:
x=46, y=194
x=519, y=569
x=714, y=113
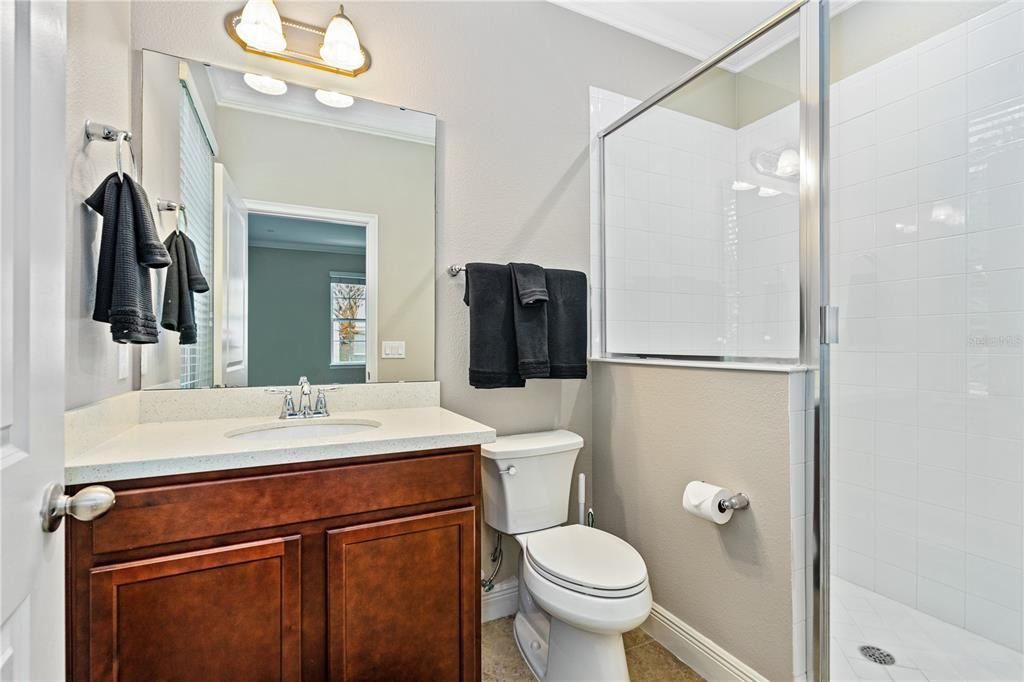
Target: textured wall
x=657, y=428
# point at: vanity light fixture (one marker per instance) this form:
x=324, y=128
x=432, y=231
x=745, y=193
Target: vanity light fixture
x=259, y=29
x=768, y=192
x=260, y=26
x=265, y=84
x=740, y=186
x=341, y=46
x=334, y=99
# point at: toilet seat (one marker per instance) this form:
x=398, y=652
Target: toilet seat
x=588, y=561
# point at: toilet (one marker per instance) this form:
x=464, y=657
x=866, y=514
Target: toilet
x=580, y=588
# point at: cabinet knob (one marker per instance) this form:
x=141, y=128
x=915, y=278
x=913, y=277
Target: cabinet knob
x=87, y=504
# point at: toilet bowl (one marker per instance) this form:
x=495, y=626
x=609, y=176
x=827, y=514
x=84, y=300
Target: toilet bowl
x=580, y=588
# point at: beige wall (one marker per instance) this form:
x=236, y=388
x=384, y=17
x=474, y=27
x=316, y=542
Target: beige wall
x=326, y=167
x=657, y=428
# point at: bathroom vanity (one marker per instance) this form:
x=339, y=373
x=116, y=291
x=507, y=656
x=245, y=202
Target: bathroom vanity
x=350, y=557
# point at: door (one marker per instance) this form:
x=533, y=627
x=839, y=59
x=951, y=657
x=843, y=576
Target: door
x=32, y=272
x=402, y=599
x=231, y=272
x=230, y=613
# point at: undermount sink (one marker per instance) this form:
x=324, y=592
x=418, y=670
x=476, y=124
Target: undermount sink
x=334, y=428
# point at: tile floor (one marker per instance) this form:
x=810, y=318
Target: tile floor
x=648, y=661
x=925, y=647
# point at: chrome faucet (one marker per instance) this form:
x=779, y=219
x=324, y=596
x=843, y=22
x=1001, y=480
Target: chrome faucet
x=307, y=409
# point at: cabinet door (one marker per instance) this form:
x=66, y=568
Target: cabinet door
x=403, y=599
x=230, y=613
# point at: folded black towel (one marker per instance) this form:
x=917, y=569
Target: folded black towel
x=530, y=315
x=531, y=284
x=129, y=247
x=493, y=359
x=567, y=323
x=184, y=280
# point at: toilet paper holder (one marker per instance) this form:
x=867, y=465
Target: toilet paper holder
x=737, y=501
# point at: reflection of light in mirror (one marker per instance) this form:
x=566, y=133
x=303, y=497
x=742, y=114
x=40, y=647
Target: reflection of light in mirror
x=740, y=186
x=947, y=214
x=789, y=163
x=906, y=229
x=768, y=192
x=265, y=84
x=260, y=26
x=334, y=99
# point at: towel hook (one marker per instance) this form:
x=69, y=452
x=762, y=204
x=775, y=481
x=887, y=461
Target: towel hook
x=178, y=208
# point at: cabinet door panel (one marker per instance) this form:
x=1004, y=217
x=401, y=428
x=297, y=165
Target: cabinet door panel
x=402, y=599
x=230, y=613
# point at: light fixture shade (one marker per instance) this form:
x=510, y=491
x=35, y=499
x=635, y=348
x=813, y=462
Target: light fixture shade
x=341, y=44
x=741, y=186
x=768, y=192
x=337, y=100
x=260, y=26
x=265, y=84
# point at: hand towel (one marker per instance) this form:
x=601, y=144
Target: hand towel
x=529, y=313
x=567, y=323
x=493, y=358
x=128, y=249
x=531, y=284
x=184, y=280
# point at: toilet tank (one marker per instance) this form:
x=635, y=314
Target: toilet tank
x=527, y=478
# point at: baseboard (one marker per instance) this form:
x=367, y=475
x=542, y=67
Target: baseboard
x=708, y=659
x=501, y=601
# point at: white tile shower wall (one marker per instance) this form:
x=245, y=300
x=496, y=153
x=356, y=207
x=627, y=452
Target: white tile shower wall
x=692, y=266
x=928, y=269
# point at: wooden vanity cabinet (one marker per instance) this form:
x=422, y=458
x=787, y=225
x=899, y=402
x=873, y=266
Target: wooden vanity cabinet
x=361, y=569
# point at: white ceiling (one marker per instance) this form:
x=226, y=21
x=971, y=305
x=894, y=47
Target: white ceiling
x=698, y=28
x=281, y=232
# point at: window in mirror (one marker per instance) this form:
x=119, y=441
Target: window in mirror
x=196, y=171
x=348, y=319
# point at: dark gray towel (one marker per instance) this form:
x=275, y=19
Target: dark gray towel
x=567, y=323
x=530, y=314
x=184, y=280
x=531, y=284
x=493, y=359
x=128, y=249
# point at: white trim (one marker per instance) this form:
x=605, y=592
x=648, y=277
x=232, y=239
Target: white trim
x=708, y=659
x=734, y=366
x=502, y=601
x=371, y=223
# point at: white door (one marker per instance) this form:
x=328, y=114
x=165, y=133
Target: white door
x=231, y=272
x=32, y=228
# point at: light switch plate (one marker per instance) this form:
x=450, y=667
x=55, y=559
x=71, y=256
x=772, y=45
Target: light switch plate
x=393, y=349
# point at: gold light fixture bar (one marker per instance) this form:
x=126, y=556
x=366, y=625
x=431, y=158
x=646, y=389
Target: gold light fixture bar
x=303, y=45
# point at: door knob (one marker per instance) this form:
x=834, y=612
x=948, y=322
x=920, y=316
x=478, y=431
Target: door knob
x=87, y=504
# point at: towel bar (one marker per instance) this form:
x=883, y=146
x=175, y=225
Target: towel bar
x=454, y=270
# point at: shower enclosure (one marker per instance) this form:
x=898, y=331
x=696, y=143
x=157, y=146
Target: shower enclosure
x=841, y=192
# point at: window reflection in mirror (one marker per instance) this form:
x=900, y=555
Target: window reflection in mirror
x=313, y=224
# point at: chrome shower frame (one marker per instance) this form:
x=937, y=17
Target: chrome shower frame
x=817, y=316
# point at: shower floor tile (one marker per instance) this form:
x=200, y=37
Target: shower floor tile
x=925, y=648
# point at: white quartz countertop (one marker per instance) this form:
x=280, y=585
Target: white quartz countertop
x=184, y=447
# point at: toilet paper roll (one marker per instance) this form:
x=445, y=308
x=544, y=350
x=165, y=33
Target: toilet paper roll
x=701, y=499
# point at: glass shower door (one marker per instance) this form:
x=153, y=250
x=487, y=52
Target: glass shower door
x=927, y=431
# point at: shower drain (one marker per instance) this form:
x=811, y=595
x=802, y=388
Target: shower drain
x=877, y=655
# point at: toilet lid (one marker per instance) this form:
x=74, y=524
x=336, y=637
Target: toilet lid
x=587, y=558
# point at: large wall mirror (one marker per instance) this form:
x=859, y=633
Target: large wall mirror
x=311, y=215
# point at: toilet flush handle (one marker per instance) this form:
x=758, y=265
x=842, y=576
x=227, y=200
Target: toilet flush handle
x=510, y=470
